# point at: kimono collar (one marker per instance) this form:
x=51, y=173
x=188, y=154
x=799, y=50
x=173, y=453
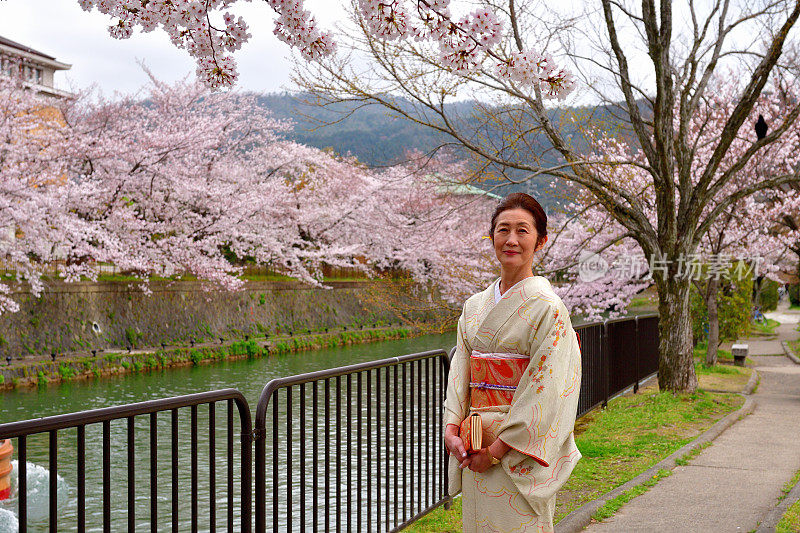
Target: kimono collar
x=491, y=316
x=497, y=295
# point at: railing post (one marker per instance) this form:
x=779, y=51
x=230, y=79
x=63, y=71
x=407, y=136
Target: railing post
x=638, y=355
x=246, y=421
x=606, y=361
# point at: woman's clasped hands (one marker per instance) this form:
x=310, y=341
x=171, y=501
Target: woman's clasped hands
x=478, y=461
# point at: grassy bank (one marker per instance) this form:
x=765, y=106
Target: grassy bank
x=722, y=378
x=34, y=373
x=768, y=328
x=790, y=521
x=795, y=346
x=632, y=434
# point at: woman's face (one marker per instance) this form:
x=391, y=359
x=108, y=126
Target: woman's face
x=515, y=238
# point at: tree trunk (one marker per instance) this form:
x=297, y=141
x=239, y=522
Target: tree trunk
x=713, y=321
x=757, y=286
x=675, y=364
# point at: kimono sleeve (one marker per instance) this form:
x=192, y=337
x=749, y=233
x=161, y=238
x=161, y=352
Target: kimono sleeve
x=542, y=412
x=456, y=404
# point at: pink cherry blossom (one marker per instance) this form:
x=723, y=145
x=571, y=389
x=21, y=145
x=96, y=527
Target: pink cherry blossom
x=210, y=34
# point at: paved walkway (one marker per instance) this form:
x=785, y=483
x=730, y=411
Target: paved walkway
x=732, y=484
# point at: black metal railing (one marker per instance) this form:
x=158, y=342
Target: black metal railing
x=616, y=354
x=369, y=453
x=355, y=448
x=100, y=485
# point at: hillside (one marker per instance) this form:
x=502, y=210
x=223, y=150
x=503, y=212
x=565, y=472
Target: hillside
x=371, y=134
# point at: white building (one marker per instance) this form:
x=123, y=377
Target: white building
x=37, y=69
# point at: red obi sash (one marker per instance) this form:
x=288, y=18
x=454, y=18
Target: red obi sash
x=494, y=377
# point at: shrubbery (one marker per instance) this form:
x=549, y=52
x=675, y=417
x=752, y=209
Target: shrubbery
x=734, y=308
x=794, y=294
x=768, y=297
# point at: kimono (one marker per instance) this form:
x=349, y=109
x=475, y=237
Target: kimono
x=517, y=363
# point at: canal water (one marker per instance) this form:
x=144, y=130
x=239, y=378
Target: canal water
x=248, y=376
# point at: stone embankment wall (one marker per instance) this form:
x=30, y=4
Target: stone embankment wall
x=30, y=372
x=79, y=317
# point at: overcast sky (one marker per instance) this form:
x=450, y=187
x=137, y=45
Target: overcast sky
x=60, y=28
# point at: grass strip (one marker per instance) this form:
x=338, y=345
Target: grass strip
x=612, y=506
x=111, y=363
x=789, y=485
x=767, y=328
x=691, y=454
x=618, y=443
x=790, y=521
x=795, y=346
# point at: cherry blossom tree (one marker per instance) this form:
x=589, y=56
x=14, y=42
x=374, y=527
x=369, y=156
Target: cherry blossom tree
x=175, y=181
x=209, y=31
x=653, y=65
x=649, y=68
x=744, y=234
x=33, y=173
x=739, y=229
x=600, y=266
x=659, y=59
x=428, y=222
x=179, y=178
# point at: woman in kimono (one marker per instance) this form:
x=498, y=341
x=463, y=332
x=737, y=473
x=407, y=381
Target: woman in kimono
x=517, y=363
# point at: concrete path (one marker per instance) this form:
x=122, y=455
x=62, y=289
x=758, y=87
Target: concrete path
x=734, y=483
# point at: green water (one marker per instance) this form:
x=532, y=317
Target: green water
x=248, y=376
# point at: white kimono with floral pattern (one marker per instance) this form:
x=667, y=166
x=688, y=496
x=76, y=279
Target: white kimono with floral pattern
x=527, y=340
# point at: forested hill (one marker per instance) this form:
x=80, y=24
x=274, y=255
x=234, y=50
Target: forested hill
x=375, y=137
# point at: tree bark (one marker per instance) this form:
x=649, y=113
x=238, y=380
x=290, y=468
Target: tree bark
x=675, y=363
x=713, y=321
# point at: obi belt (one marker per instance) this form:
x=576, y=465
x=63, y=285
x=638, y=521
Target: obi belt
x=494, y=377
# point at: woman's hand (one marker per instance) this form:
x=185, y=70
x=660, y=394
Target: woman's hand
x=480, y=461
x=453, y=443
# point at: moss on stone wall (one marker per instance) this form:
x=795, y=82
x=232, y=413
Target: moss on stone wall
x=40, y=373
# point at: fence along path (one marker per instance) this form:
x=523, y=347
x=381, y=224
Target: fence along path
x=351, y=448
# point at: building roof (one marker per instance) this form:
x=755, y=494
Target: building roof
x=23, y=48
x=447, y=186
x=16, y=49
x=464, y=188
